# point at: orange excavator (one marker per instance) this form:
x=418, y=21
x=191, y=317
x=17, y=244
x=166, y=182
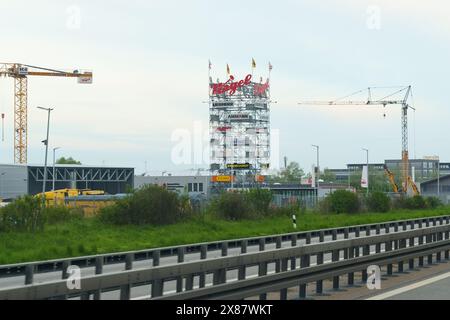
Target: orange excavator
x=394, y=185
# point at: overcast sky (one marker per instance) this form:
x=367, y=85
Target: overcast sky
x=150, y=64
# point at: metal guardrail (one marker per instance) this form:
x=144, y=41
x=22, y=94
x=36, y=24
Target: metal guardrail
x=29, y=269
x=348, y=256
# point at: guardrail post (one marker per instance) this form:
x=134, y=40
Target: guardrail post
x=351, y=275
x=224, y=249
x=203, y=251
x=29, y=273
x=335, y=257
x=321, y=236
x=262, y=244
x=377, y=228
x=346, y=233
x=378, y=247
x=157, y=288
x=434, y=221
x=84, y=296
x=387, y=228
x=99, y=261
x=334, y=234
x=262, y=271
x=241, y=272
x=368, y=231
x=202, y=279
x=412, y=225
x=357, y=231
x=129, y=261
x=405, y=225
x=395, y=226
x=401, y=245
x=244, y=244
x=366, y=252
x=388, y=247
x=421, y=257
x=125, y=290
x=180, y=253
x=304, y=262
x=156, y=256
x=219, y=276
x=284, y=266
x=308, y=237
x=419, y=224
x=446, y=253
x=427, y=222
x=294, y=240
x=278, y=242
x=319, y=283
x=189, y=282
x=65, y=265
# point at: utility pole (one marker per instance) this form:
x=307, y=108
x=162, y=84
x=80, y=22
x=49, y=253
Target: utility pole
x=367, y=164
x=46, y=151
x=438, y=177
x=318, y=170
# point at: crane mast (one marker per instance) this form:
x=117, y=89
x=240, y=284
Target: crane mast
x=20, y=73
x=406, y=181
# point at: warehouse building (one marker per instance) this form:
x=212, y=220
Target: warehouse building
x=22, y=179
x=180, y=184
x=430, y=188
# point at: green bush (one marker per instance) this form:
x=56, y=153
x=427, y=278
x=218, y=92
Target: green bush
x=150, y=204
x=232, y=206
x=378, y=202
x=260, y=200
x=433, y=202
x=23, y=214
x=415, y=202
x=342, y=201
x=58, y=214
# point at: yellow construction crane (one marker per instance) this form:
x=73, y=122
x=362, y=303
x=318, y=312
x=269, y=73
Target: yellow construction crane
x=406, y=90
x=20, y=73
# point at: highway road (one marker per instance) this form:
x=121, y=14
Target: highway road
x=434, y=288
x=142, y=292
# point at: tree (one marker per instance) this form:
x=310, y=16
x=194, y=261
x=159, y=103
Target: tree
x=68, y=160
x=292, y=173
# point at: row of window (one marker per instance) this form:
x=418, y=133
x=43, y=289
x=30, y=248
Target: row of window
x=195, y=187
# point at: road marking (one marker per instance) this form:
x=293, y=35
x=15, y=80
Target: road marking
x=409, y=287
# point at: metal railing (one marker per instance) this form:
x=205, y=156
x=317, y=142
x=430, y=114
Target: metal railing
x=348, y=256
x=29, y=269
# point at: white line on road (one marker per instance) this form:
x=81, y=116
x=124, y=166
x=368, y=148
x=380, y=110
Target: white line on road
x=410, y=287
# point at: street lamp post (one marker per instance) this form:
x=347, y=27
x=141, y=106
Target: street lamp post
x=54, y=149
x=46, y=150
x=438, y=177
x=318, y=170
x=367, y=164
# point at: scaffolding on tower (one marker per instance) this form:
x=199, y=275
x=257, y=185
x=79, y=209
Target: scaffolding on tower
x=239, y=127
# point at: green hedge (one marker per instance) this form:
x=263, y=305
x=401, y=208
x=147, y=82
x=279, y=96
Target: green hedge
x=150, y=204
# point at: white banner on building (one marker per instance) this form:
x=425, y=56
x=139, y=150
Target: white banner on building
x=365, y=178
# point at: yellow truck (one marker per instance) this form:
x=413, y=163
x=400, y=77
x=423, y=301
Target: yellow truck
x=58, y=197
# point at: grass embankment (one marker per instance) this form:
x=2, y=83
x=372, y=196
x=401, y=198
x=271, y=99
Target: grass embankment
x=89, y=236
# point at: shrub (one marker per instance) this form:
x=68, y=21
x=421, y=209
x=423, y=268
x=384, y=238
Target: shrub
x=343, y=201
x=232, y=206
x=23, y=214
x=260, y=200
x=149, y=205
x=433, y=202
x=378, y=202
x=416, y=202
x=59, y=214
